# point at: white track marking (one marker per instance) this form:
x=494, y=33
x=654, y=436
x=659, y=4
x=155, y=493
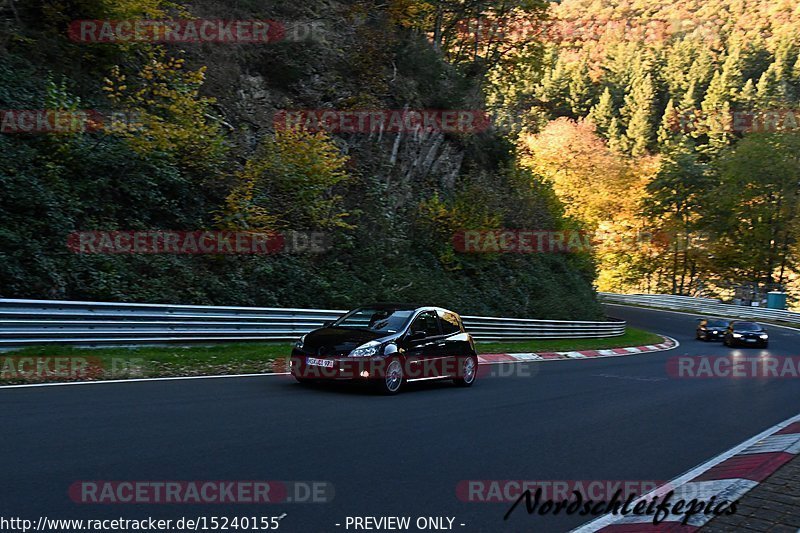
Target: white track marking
x=607, y=520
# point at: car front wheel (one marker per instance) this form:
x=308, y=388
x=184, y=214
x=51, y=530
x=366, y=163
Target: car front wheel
x=394, y=378
x=467, y=372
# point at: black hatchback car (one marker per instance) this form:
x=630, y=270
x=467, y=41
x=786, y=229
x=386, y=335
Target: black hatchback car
x=746, y=334
x=711, y=329
x=388, y=345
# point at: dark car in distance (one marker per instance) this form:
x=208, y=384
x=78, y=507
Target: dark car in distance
x=740, y=333
x=711, y=329
x=388, y=345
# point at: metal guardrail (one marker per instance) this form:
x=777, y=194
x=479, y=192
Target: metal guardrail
x=702, y=306
x=34, y=322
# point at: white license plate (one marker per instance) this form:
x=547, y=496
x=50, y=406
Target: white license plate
x=325, y=363
x=751, y=340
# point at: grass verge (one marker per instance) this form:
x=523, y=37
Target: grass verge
x=633, y=337
x=64, y=363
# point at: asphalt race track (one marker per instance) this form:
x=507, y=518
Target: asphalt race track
x=607, y=419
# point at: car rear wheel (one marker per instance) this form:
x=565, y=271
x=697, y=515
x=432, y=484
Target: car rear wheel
x=393, y=381
x=468, y=372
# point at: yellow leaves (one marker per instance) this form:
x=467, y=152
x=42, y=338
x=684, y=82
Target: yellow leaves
x=170, y=114
x=138, y=8
x=411, y=13
x=598, y=186
x=289, y=183
x=594, y=182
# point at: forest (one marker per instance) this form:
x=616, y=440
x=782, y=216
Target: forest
x=664, y=131
x=672, y=131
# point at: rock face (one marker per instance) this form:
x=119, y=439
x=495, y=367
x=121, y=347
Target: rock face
x=337, y=57
x=405, y=194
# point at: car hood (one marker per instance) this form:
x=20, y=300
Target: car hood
x=339, y=341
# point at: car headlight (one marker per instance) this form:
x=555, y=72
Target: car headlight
x=366, y=350
x=765, y=336
x=299, y=344
x=737, y=335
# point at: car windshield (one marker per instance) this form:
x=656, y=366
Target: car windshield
x=746, y=326
x=717, y=324
x=375, y=319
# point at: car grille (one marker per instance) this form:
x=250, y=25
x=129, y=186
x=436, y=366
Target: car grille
x=325, y=352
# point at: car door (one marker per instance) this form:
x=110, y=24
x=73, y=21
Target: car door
x=425, y=354
x=455, y=342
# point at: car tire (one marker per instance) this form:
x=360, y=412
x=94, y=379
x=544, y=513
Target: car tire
x=394, y=379
x=468, y=372
x=725, y=342
x=304, y=381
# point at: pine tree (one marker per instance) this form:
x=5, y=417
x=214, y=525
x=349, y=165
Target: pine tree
x=716, y=119
x=732, y=78
x=677, y=63
x=603, y=113
x=616, y=140
x=717, y=94
x=702, y=70
x=639, y=107
x=786, y=55
x=689, y=115
x=771, y=89
x=580, y=90
x=640, y=132
x=670, y=124
x=748, y=96
x=689, y=100
x=554, y=88
x=794, y=79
